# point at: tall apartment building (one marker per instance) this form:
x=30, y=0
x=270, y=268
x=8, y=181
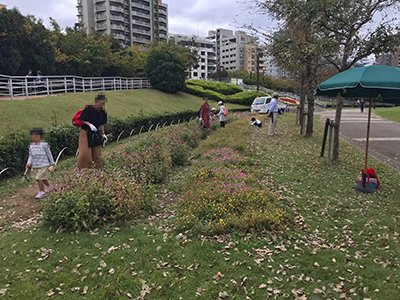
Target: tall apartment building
x=230, y=48
x=389, y=59
x=251, y=51
x=205, y=51
x=129, y=21
x=2, y=6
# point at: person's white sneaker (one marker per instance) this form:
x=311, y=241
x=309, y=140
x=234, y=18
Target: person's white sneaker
x=48, y=189
x=40, y=195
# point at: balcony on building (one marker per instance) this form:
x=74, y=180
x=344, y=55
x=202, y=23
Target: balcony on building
x=101, y=26
x=116, y=9
x=101, y=17
x=140, y=40
x=117, y=27
x=140, y=23
x=117, y=18
x=141, y=31
x=141, y=5
x=116, y=1
x=100, y=8
x=141, y=14
x=100, y=1
x=118, y=36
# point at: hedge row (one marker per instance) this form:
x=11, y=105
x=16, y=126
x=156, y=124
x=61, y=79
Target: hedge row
x=201, y=92
x=14, y=147
x=244, y=98
x=220, y=87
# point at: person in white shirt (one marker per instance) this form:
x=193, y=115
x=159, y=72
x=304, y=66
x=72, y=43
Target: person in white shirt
x=273, y=115
x=256, y=122
x=222, y=114
x=41, y=161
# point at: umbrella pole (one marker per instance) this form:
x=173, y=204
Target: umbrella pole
x=368, y=133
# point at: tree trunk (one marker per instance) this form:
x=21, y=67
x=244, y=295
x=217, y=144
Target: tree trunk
x=336, y=135
x=310, y=115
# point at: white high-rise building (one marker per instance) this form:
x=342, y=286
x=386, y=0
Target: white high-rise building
x=230, y=48
x=129, y=21
x=205, y=51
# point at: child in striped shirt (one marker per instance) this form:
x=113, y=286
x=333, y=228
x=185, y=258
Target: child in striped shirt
x=41, y=161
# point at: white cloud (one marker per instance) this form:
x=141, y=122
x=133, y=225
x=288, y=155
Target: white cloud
x=185, y=16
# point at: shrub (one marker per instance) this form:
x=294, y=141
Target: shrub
x=167, y=66
x=244, y=98
x=201, y=92
x=220, y=87
x=95, y=198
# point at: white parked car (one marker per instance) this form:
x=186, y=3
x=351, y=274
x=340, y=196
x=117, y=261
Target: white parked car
x=261, y=105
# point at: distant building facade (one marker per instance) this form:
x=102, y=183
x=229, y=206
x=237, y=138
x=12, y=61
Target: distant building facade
x=205, y=51
x=271, y=68
x=2, y=6
x=230, y=48
x=389, y=59
x=132, y=22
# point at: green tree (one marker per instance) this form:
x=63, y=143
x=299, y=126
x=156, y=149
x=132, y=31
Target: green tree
x=167, y=65
x=350, y=24
x=298, y=47
x=24, y=44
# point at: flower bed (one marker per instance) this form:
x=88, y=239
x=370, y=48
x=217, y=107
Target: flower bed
x=223, y=196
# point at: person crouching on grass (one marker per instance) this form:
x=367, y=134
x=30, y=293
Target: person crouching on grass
x=256, y=122
x=41, y=161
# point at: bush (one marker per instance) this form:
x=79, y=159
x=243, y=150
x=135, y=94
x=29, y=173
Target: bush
x=201, y=92
x=95, y=198
x=244, y=98
x=167, y=66
x=220, y=87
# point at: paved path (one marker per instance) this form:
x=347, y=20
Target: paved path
x=384, y=137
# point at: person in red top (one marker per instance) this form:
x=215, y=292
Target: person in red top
x=204, y=114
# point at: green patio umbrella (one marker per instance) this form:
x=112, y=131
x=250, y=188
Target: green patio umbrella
x=367, y=82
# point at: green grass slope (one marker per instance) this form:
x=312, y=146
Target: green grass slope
x=48, y=111
x=392, y=113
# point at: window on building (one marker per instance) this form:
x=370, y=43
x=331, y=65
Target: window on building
x=203, y=67
x=203, y=75
x=195, y=74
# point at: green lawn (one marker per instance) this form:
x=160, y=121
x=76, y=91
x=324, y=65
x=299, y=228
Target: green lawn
x=48, y=111
x=339, y=245
x=392, y=113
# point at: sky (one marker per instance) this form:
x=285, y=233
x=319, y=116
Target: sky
x=185, y=16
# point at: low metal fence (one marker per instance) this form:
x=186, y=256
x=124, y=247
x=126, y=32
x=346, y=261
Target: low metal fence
x=30, y=86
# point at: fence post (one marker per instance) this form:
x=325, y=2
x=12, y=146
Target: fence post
x=47, y=86
x=127, y=84
x=10, y=84
x=74, y=84
x=114, y=84
x=65, y=85
x=26, y=87
x=120, y=83
x=83, y=84
x=327, y=124
x=103, y=85
x=141, y=83
x=331, y=125
x=91, y=84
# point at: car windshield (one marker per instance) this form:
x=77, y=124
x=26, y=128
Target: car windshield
x=259, y=101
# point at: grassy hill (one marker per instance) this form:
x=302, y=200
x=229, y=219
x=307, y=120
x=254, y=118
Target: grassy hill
x=392, y=113
x=16, y=115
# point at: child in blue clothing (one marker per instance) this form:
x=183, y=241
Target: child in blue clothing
x=41, y=161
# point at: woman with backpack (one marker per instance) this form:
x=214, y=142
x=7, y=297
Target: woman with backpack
x=223, y=113
x=91, y=121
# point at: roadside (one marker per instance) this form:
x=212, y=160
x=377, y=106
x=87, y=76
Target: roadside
x=384, y=138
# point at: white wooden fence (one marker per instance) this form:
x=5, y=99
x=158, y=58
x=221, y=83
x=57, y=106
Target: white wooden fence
x=30, y=86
